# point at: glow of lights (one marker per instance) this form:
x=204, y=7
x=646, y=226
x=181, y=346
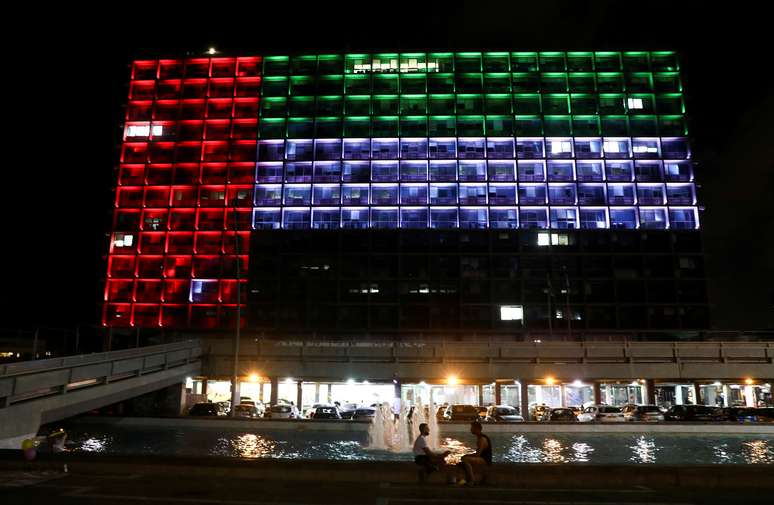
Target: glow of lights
x=634, y=383
x=452, y=380
x=211, y=50
x=289, y=380
x=749, y=381
x=550, y=381
x=253, y=377
x=717, y=384
x=577, y=383
x=423, y=383
x=365, y=382
x=350, y=381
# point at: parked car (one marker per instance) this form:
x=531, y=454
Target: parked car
x=743, y=414
x=482, y=412
x=348, y=410
x=326, y=412
x=283, y=411
x=650, y=413
x=461, y=413
x=259, y=406
x=561, y=414
x=207, y=410
x=503, y=414
x=440, y=414
x=693, y=413
x=364, y=413
x=247, y=410
x=539, y=412
x=226, y=406
x=601, y=414
x=309, y=411
x=765, y=414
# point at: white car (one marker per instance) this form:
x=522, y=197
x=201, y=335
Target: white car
x=601, y=414
x=283, y=411
x=259, y=407
x=503, y=414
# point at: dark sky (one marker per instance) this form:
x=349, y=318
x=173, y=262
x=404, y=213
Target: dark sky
x=69, y=73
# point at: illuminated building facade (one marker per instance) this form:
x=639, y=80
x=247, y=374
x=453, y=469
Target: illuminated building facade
x=408, y=192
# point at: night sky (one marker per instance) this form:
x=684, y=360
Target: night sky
x=69, y=80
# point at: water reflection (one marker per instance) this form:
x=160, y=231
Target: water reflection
x=521, y=451
x=516, y=448
x=582, y=452
x=253, y=446
x=94, y=444
x=758, y=451
x=457, y=449
x=644, y=450
x=721, y=453
x=552, y=451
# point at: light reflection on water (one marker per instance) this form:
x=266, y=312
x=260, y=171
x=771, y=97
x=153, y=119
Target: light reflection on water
x=516, y=448
x=643, y=450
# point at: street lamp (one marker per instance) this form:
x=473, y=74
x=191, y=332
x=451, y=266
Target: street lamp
x=237, y=333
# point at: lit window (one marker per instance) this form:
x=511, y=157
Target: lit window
x=123, y=240
x=157, y=130
x=642, y=148
x=612, y=147
x=634, y=103
x=138, y=130
x=511, y=313
x=544, y=239
x=561, y=146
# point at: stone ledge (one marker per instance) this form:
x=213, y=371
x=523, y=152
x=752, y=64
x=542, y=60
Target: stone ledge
x=526, y=476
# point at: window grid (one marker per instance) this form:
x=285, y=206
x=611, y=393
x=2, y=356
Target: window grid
x=396, y=140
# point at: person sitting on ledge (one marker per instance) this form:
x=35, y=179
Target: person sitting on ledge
x=481, y=459
x=424, y=456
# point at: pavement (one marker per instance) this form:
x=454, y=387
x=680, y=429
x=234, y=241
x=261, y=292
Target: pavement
x=24, y=488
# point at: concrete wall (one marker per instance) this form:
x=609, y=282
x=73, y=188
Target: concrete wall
x=321, y=361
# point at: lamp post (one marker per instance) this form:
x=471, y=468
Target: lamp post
x=237, y=335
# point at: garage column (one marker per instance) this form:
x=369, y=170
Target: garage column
x=650, y=392
x=697, y=394
x=498, y=393
x=274, y=391
x=597, y=392
x=299, y=394
x=524, y=398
